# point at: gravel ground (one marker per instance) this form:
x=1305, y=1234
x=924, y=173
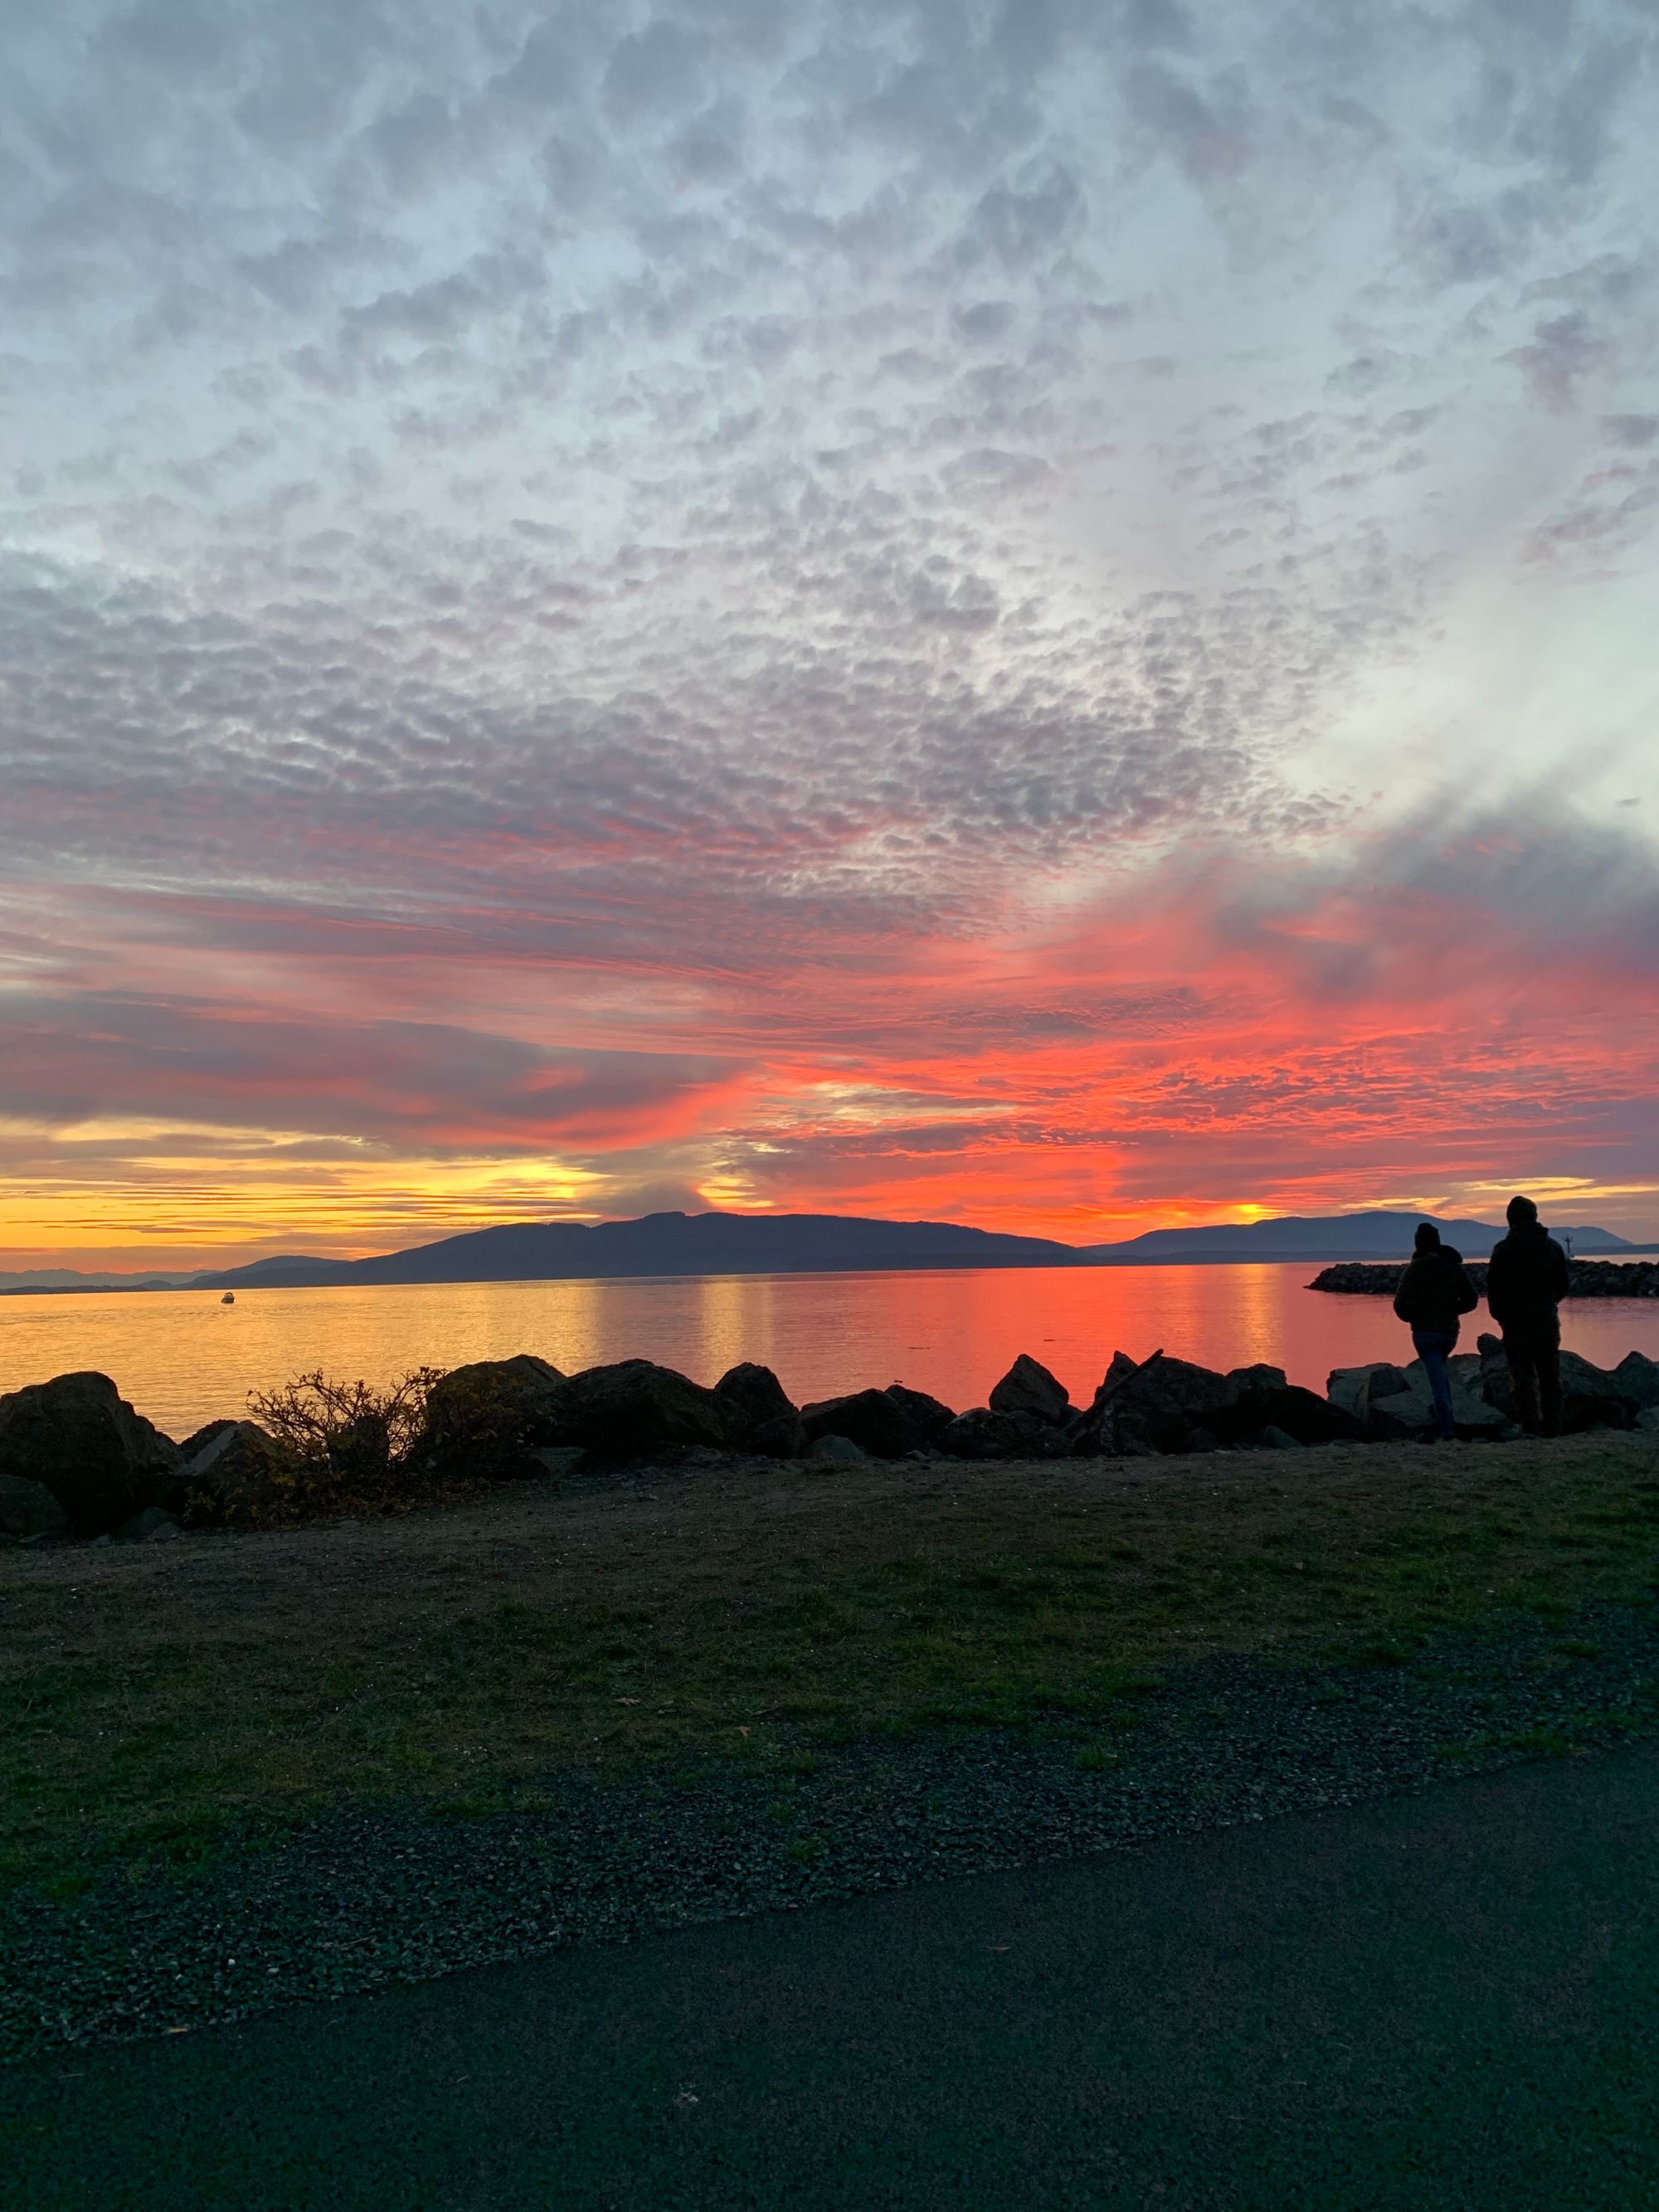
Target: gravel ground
x=353, y=1903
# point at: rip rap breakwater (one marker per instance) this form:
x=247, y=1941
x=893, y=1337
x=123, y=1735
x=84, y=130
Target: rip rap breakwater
x=77, y=1462
x=1590, y=1278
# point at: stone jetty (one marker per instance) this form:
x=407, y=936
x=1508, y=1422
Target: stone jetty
x=1590, y=1278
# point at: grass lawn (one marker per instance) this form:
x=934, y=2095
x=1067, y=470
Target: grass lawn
x=157, y=1697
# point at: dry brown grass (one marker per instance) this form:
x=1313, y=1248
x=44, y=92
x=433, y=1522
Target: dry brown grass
x=154, y=1694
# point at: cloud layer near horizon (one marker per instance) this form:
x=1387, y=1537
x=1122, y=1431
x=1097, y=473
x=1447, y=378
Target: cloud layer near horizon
x=1034, y=613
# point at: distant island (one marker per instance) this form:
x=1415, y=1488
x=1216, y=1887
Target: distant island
x=802, y=1243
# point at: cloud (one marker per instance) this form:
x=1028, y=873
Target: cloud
x=418, y=1085
x=616, y=565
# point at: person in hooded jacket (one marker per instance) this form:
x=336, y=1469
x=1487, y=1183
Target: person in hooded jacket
x=1435, y=1292
x=1527, y=1278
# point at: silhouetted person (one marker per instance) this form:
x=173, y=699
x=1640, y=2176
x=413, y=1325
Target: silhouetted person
x=1434, y=1293
x=1526, y=1281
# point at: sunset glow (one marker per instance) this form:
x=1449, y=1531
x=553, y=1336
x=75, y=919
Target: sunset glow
x=1033, y=621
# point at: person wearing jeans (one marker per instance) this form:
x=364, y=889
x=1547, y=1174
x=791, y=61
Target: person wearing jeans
x=1434, y=1294
x=1434, y=1347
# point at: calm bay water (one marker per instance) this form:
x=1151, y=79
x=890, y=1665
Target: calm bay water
x=183, y=1358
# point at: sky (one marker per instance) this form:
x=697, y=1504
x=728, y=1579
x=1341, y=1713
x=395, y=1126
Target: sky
x=1037, y=614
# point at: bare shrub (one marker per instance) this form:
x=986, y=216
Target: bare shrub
x=344, y=1443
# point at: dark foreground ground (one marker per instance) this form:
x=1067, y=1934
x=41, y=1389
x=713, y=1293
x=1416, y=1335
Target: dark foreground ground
x=1441, y=2001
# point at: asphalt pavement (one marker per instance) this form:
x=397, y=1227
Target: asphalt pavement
x=1440, y=2001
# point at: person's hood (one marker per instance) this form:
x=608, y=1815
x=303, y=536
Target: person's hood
x=1528, y=1232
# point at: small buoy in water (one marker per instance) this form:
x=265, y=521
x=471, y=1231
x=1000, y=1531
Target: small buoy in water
x=229, y=1299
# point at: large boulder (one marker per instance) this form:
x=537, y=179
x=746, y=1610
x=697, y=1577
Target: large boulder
x=488, y=1419
x=241, y=1478
x=872, y=1419
x=1591, y=1397
x=28, y=1509
x=1391, y=1404
x=1029, y=1387
x=835, y=1451
x=636, y=1409
x=931, y=1415
x=762, y=1417
x=199, y=1438
x=1352, y=1388
x=1493, y=1376
x=79, y=1438
x=1299, y=1413
x=1636, y=1378
x=1174, y=1406
x=987, y=1432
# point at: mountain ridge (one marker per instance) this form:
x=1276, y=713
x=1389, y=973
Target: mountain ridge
x=802, y=1243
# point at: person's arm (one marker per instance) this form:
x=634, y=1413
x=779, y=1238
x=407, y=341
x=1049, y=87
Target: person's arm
x=1467, y=1296
x=1405, y=1298
x=1560, y=1273
x=1497, y=1285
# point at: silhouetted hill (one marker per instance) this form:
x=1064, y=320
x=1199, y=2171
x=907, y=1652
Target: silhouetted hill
x=1379, y=1236
x=38, y=1282
x=667, y=1244
x=805, y=1243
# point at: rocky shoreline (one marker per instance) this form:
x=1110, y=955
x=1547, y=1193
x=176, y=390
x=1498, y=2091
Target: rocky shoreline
x=1590, y=1278
x=77, y=1463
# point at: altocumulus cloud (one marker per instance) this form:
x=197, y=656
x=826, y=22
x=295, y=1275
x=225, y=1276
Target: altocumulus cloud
x=575, y=576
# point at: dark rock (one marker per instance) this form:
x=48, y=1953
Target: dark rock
x=831, y=1451
x=28, y=1509
x=555, y=1462
x=873, y=1420
x=1260, y=1377
x=1399, y=1405
x=1200, y=1440
x=200, y=1438
x=1121, y=1368
x=763, y=1418
x=983, y=1432
x=1352, y=1388
x=1113, y=1426
x=1587, y=1278
x=79, y=1437
x=1270, y=1438
x=241, y=1478
x=635, y=1409
x=1636, y=1378
x=1591, y=1397
x=931, y=1415
x=1157, y=1404
x=144, y=1528
x=487, y=1419
x=1112, y=1432
x=1303, y=1415
x=1494, y=1375
x=1029, y=1387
